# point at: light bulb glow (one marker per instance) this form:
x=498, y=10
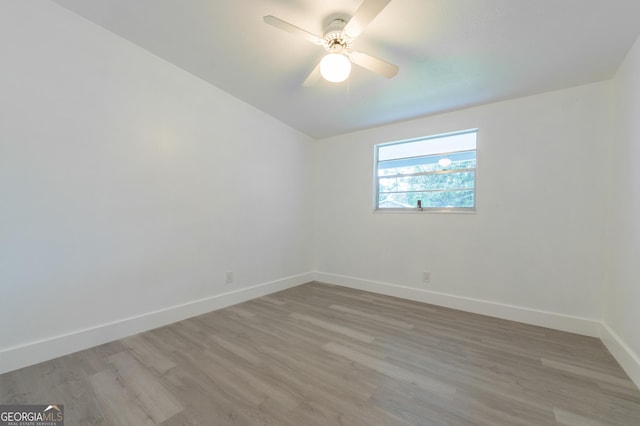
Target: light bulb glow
x=335, y=67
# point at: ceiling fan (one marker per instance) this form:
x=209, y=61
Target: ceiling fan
x=337, y=41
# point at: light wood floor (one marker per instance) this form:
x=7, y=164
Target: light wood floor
x=325, y=355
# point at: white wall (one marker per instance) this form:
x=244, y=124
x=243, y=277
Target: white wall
x=622, y=314
x=128, y=186
x=536, y=241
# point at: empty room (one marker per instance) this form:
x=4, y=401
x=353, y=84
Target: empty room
x=356, y=212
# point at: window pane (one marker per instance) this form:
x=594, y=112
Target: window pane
x=455, y=180
x=428, y=146
x=444, y=199
x=432, y=163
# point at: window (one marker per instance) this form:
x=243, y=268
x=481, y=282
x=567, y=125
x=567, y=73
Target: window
x=435, y=173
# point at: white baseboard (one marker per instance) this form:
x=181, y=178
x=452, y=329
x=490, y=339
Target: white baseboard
x=627, y=358
x=46, y=349
x=573, y=324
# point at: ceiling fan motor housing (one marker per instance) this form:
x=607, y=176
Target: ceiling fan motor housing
x=335, y=40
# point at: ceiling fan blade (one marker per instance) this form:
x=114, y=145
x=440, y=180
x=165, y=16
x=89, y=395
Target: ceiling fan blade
x=290, y=28
x=366, y=13
x=374, y=64
x=313, y=77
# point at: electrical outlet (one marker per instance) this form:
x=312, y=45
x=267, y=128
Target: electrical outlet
x=229, y=277
x=426, y=277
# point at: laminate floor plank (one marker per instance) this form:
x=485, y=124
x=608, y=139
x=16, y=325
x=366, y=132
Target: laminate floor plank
x=205, y=400
x=587, y=373
x=331, y=375
x=566, y=418
x=320, y=354
x=372, y=317
x=144, y=350
x=80, y=399
x=145, y=386
x=336, y=328
x=119, y=405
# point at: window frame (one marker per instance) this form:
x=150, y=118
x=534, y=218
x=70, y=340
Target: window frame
x=376, y=177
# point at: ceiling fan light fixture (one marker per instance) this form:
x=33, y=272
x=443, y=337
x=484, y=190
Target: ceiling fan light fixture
x=335, y=67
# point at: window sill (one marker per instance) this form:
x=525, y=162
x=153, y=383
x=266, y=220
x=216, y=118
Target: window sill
x=422, y=211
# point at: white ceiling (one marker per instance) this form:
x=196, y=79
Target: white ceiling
x=452, y=53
